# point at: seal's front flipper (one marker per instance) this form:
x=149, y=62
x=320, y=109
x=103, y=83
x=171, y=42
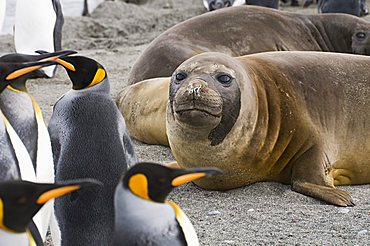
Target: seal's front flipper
x=311, y=176
x=330, y=195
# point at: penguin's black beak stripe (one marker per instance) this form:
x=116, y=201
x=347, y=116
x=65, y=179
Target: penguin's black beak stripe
x=22, y=71
x=56, y=193
x=186, y=178
x=65, y=64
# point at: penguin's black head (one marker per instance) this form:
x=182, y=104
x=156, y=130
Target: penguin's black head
x=10, y=72
x=16, y=68
x=20, y=83
x=154, y=182
x=84, y=72
x=21, y=200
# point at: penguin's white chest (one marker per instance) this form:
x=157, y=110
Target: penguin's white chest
x=19, y=239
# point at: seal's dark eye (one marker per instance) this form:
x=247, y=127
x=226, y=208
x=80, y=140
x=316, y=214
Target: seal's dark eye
x=181, y=76
x=360, y=35
x=224, y=78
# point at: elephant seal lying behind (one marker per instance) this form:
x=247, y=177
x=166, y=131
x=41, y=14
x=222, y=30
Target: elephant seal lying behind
x=300, y=118
x=248, y=30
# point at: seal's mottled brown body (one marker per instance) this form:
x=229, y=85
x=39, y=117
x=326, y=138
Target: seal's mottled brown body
x=300, y=118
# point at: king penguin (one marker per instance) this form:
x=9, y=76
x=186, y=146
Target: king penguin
x=24, y=114
x=143, y=216
x=38, y=26
x=89, y=139
x=20, y=201
x=15, y=162
x=28, y=134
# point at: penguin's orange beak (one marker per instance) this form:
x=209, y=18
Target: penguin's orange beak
x=183, y=179
x=18, y=73
x=192, y=174
x=60, y=191
x=56, y=58
x=65, y=64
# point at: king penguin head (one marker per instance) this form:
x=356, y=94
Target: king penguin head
x=154, y=182
x=84, y=72
x=21, y=200
x=16, y=68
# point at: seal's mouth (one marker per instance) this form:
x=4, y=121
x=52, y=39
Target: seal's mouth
x=197, y=115
x=197, y=110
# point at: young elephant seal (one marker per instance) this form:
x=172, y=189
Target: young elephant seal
x=299, y=118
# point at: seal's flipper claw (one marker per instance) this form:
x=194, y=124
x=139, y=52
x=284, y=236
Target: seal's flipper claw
x=351, y=204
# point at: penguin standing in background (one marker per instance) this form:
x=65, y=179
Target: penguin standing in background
x=20, y=200
x=89, y=139
x=27, y=145
x=142, y=214
x=38, y=26
x=2, y=13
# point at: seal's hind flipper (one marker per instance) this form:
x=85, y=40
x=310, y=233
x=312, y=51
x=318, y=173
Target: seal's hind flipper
x=311, y=176
x=330, y=195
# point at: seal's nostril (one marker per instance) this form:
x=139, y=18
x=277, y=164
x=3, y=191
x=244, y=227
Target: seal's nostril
x=197, y=91
x=194, y=90
x=190, y=89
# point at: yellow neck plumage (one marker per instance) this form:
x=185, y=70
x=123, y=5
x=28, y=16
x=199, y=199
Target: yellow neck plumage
x=99, y=77
x=13, y=89
x=30, y=238
x=138, y=185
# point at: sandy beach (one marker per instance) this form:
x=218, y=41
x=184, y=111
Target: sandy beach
x=259, y=214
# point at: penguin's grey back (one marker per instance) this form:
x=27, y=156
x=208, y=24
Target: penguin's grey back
x=89, y=140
